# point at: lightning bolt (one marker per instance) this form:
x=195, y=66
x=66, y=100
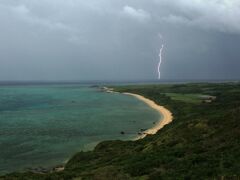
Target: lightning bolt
x=160, y=62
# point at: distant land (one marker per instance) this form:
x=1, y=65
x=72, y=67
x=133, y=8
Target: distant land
x=114, y=82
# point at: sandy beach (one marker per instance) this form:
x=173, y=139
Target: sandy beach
x=165, y=119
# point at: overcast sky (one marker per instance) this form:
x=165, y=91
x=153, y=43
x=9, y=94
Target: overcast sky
x=119, y=39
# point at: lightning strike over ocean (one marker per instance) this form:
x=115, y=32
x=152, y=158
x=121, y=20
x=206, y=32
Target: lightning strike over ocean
x=160, y=62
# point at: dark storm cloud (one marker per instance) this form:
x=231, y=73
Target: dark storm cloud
x=103, y=39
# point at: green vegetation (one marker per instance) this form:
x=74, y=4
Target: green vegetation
x=201, y=143
x=189, y=98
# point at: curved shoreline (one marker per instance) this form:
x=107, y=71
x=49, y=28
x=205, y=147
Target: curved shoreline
x=164, y=120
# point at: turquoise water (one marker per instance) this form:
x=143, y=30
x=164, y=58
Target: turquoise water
x=43, y=126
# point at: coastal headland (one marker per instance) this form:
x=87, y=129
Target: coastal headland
x=201, y=143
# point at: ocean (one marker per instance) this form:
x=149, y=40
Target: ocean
x=44, y=125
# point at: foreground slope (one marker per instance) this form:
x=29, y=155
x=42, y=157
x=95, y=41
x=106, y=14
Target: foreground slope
x=201, y=142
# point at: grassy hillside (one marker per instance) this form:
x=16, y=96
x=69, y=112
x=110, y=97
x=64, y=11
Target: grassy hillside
x=202, y=142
